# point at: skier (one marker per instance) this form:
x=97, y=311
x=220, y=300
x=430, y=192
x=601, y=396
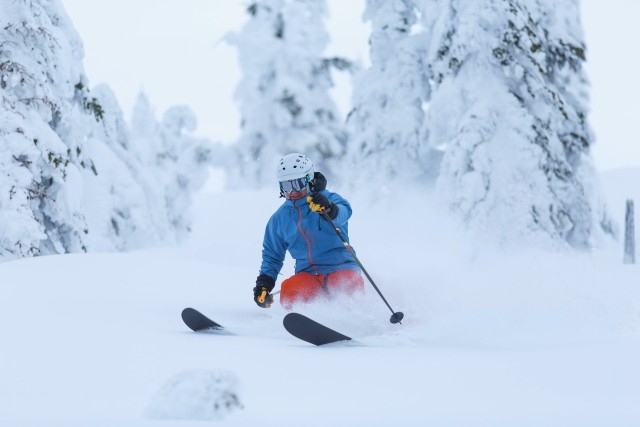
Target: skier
x=323, y=265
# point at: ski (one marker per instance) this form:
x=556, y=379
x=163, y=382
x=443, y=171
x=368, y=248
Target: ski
x=198, y=322
x=311, y=331
x=296, y=324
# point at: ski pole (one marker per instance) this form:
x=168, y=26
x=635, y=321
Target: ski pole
x=396, y=316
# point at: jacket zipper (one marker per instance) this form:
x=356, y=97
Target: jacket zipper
x=304, y=236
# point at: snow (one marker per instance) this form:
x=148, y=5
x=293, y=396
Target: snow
x=489, y=338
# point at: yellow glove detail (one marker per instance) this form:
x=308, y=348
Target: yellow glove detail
x=314, y=206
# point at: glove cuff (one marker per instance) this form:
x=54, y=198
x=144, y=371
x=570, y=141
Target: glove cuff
x=266, y=281
x=319, y=182
x=333, y=213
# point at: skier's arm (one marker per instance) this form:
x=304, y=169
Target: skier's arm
x=273, y=251
x=344, y=209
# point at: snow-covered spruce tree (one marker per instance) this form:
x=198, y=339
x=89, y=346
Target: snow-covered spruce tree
x=120, y=200
x=284, y=98
x=41, y=86
x=510, y=103
x=147, y=175
x=175, y=165
x=72, y=180
x=188, y=159
x=386, y=122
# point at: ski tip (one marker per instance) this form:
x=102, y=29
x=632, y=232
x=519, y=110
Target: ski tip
x=289, y=317
x=306, y=329
x=198, y=322
x=186, y=313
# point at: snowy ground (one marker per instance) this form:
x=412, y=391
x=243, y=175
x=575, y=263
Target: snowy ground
x=524, y=339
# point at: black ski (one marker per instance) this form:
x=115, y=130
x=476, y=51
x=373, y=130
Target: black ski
x=311, y=331
x=198, y=322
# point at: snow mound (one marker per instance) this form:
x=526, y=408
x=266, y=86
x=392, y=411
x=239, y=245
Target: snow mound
x=196, y=395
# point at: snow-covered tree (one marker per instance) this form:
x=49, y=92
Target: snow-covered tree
x=188, y=159
x=284, y=98
x=510, y=103
x=386, y=122
x=42, y=86
x=174, y=163
x=72, y=179
x=118, y=200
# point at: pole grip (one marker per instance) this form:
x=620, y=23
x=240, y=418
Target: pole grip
x=263, y=296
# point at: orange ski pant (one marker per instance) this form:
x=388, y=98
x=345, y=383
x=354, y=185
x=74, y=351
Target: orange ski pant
x=304, y=287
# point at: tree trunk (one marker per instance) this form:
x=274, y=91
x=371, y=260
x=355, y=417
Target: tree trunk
x=629, y=235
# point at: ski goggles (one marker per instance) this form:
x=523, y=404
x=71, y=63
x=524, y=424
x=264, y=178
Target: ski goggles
x=297, y=184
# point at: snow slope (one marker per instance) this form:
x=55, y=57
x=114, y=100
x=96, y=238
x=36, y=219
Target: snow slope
x=489, y=339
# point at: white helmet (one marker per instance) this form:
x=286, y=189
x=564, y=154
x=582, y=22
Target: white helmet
x=293, y=166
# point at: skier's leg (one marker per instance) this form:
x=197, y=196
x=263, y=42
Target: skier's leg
x=301, y=287
x=348, y=281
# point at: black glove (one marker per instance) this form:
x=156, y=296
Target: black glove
x=261, y=293
x=319, y=202
x=319, y=182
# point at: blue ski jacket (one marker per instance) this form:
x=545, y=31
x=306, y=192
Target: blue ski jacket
x=308, y=237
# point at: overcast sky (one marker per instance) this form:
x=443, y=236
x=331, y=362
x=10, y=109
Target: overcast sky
x=172, y=50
